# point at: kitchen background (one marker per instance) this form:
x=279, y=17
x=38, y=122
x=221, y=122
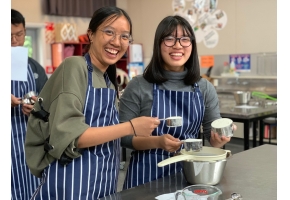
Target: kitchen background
x=251, y=28
x=251, y=25
x=243, y=32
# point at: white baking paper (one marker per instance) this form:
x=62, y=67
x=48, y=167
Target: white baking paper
x=19, y=63
x=198, y=167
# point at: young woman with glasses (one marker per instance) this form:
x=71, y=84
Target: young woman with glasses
x=170, y=86
x=75, y=146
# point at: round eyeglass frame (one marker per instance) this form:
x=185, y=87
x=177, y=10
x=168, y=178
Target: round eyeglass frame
x=18, y=36
x=176, y=38
x=130, y=41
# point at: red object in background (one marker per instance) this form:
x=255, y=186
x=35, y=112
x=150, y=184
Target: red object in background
x=84, y=38
x=49, y=26
x=49, y=32
x=49, y=69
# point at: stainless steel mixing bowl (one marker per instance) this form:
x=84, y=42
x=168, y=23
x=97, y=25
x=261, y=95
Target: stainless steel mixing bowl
x=210, y=174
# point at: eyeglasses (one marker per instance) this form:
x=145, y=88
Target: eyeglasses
x=18, y=35
x=170, y=41
x=109, y=35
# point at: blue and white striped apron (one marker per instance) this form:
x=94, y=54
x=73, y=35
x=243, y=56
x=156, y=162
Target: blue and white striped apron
x=190, y=105
x=23, y=183
x=95, y=173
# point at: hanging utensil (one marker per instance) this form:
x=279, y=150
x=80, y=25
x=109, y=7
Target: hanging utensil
x=208, y=71
x=207, y=74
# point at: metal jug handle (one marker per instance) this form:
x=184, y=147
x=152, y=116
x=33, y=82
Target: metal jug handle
x=249, y=96
x=177, y=194
x=229, y=154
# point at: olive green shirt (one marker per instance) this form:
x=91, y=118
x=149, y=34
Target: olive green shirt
x=64, y=96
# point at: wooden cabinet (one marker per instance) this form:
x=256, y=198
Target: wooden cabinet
x=59, y=51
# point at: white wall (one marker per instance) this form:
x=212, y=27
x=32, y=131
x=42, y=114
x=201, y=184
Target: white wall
x=251, y=26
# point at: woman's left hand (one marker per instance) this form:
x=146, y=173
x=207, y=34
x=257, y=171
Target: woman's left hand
x=169, y=143
x=27, y=108
x=217, y=141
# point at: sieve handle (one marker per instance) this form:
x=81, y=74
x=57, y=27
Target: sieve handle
x=175, y=159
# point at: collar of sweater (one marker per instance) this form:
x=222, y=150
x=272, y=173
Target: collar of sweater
x=175, y=75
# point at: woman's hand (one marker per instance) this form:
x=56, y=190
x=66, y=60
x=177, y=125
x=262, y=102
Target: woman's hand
x=144, y=126
x=15, y=101
x=27, y=108
x=217, y=141
x=169, y=143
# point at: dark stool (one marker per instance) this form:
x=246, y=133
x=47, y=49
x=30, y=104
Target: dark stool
x=271, y=122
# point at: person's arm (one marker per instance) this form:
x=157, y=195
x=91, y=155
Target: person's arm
x=131, y=105
x=67, y=121
x=15, y=101
x=166, y=142
x=211, y=103
x=67, y=124
x=26, y=108
x=212, y=113
x=98, y=135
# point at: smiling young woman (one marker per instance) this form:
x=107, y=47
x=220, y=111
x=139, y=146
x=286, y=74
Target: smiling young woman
x=76, y=151
x=110, y=42
x=171, y=85
x=175, y=50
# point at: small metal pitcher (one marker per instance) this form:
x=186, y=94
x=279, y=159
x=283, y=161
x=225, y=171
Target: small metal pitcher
x=242, y=97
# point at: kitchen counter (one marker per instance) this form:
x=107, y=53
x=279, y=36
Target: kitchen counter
x=251, y=173
x=247, y=111
x=231, y=91
x=254, y=112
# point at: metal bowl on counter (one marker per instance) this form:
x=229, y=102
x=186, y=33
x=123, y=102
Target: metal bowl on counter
x=203, y=167
x=242, y=97
x=210, y=173
x=206, y=172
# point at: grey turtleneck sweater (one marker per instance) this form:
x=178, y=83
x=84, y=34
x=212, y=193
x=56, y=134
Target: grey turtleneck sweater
x=137, y=100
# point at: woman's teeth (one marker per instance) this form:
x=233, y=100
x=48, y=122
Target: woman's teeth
x=112, y=51
x=176, y=54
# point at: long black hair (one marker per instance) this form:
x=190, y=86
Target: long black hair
x=101, y=15
x=153, y=73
